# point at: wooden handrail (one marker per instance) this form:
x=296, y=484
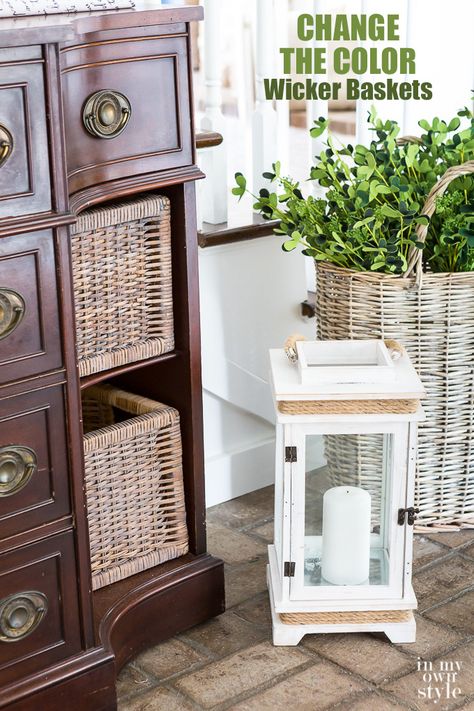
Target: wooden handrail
x=216, y=235
x=208, y=139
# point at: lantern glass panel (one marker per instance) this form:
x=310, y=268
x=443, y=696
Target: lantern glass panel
x=346, y=509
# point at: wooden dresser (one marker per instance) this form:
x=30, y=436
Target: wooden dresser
x=61, y=645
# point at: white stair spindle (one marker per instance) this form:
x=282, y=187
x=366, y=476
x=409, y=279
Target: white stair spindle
x=214, y=193
x=264, y=124
x=394, y=109
x=283, y=107
x=317, y=108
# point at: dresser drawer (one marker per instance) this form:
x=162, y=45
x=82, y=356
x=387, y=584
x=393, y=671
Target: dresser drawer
x=126, y=108
x=24, y=163
x=39, y=613
x=29, y=320
x=33, y=460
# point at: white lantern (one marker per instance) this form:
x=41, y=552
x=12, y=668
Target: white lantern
x=347, y=416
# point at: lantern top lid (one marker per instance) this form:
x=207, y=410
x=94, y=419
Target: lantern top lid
x=344, y=370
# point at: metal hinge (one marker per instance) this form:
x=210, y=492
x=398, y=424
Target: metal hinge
x=288, y=569
x=409, y=514
x=290, y=454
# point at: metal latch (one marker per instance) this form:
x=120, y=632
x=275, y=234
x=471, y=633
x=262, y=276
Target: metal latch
x=290, y=454
x=288, y=570
x=410, y=515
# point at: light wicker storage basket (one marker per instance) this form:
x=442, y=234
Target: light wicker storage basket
x=432, y=315
x=134, y=483
x=121, y=257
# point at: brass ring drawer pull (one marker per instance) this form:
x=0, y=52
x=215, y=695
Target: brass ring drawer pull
x=106, y=113
x=12, y=310
x=6, y=144
x=20, y=614
x=17, y=466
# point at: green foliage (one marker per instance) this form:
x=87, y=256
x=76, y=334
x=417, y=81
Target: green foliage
x=369, y=216
x=450, y=247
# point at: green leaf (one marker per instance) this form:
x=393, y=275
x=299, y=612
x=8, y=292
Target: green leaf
x=317, y=131
x=364, y=172
x=424, y=125
x=454, y=124
x=241, y=181
x=411, y=153
x=371, y=160
x=363, y=222
x=422, y=220
x=390, y=212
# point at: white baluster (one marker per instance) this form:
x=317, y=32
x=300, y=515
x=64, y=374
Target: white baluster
x=394, y=109
x=213, y=161
x=264, y=124
x=317, y=108
x=283, y=107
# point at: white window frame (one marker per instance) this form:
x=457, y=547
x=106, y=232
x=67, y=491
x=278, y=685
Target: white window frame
x=296, y=437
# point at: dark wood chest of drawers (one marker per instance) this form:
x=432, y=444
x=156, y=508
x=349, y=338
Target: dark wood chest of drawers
x=92, y=108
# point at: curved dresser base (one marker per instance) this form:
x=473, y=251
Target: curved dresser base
x=148, y=609
x=188, y=592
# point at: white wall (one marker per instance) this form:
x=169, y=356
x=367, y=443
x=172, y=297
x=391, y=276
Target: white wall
x=250, y=301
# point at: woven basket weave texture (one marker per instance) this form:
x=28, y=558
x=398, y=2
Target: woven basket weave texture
x=435, y=322
x=121, y=257
x=134, y=483
x=341, y=618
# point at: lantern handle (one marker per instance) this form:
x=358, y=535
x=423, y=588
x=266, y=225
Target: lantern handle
x=395, y=348
x=290, y=346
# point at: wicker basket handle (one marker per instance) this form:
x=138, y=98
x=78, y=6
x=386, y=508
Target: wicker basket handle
x=415, y=255
x=133, y=404
x=403, y=140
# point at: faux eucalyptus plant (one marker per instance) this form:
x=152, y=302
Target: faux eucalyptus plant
x=373, y=199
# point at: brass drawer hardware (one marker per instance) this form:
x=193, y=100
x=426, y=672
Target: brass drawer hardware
x=6, y=144
x=17, y=466
x=12, y=310
x=106, y=113
x=20, y=614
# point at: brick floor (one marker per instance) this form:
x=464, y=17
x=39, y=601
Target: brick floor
x=230, y=663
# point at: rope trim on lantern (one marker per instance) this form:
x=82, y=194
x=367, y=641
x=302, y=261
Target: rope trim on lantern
x=341, y=618
x=348, y=407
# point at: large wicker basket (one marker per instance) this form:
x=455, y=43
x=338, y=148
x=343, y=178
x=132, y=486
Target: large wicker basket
x=433, y=316
x=121, y=257
x=134, y=483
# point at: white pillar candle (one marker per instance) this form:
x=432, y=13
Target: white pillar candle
x=346, y=535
